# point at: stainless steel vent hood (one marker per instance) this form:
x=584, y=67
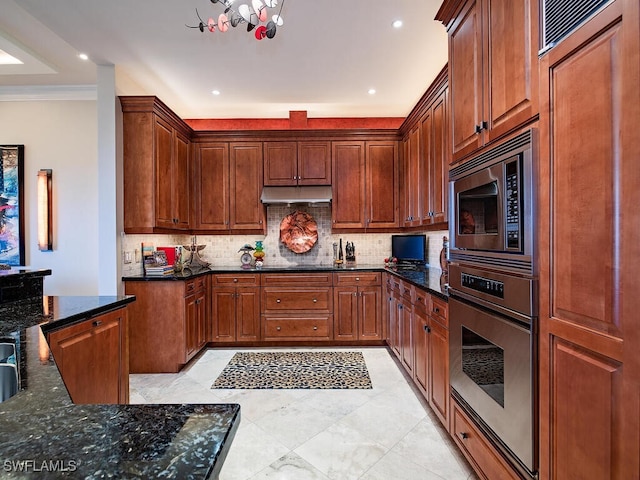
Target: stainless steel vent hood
x=307, y=195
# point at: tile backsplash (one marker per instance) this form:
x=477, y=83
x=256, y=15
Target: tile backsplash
x=222, y=250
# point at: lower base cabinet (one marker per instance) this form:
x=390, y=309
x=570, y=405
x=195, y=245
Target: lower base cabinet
x=167, y=323
x=93, y=358
x=235, y=308
x=357, y=301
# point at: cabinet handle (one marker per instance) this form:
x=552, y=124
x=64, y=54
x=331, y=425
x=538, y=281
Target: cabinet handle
x=357, y=279
x=315, y=300
x=463, y=435
x=277, y=300
x=478, y=128
x=436, y=309
x=97, y=323
x=427, y=328
x=235, y=280
x=355, y=294
x=278, y=328
x=315, y=328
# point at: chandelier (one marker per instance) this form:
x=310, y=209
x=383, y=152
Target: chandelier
x=254, y=15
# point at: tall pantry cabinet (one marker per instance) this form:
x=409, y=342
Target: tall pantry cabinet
x=589, y=191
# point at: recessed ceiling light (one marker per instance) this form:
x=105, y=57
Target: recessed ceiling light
x=372, y=91
x=397, y=23
x=216, y=92
x=83, y=56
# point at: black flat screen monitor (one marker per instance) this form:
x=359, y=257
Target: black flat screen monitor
x=410, y=249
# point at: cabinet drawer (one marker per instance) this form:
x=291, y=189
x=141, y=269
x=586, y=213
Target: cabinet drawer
x=195, y=285
x=421, y=299
x=440, y=311
x=357, y=279
x=473, y=444
x=293, y=299
x=296, y=279
x=241, y=279
x=308, y=327
x=407, y=291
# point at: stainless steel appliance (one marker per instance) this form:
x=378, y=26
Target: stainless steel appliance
x=492, y=201
x=493, y=295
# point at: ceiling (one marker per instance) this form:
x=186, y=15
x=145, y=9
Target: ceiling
x=324, y=59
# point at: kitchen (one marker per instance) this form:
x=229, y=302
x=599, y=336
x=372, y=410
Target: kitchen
x=615, y=351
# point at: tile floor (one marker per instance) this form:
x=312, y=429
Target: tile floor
x=386, y=433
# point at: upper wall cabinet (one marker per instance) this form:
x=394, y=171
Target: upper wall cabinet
x=156, y=151
x=493, y=75
x=297, y=163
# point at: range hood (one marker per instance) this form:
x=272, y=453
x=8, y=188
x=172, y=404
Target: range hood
x=306, y=195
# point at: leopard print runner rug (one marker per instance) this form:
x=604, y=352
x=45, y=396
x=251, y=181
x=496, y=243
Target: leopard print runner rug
x=323, y=370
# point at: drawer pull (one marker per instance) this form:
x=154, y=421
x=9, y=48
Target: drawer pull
x=463, y=435
x=436, y=309
x=278, y=328
x=235, y=280
x=427, y=328
x=357, y=279
x=315, y=328
x=97, y=323
x=277, y=300
x=315, y=300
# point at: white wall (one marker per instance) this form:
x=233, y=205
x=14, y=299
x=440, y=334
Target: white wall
x=61, y=135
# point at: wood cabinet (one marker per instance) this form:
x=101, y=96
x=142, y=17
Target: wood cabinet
x=156, y=164
x=406, y=319
x=358, y=306
x=589, y=180
x=365, y=185
x=438, y=360
x=412, y=185
x=93, y=358
x=246, y=163
x=235, y=308
x=493, y=75
x=348, y=203
x=393, y=332
x=434, y=135
x=297, y=163
x=211, y=197
x=167, y=323
x=227, y=187
x=297, y=306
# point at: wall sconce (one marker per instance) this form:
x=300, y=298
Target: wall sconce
x=45, y=217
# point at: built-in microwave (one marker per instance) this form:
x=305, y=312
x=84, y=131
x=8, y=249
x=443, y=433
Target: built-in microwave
x=492, y=205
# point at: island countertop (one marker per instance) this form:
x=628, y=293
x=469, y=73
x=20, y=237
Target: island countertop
x=44, y=434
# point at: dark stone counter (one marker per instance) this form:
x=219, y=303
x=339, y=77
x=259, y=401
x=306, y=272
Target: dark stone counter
x=43, y=434
x=430, y=279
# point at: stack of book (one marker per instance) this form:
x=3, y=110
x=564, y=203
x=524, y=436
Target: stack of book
x=155, y=262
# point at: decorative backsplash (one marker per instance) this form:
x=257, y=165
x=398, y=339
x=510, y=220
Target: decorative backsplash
x=222, y=250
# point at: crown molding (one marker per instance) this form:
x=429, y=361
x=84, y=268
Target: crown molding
x=49, y=92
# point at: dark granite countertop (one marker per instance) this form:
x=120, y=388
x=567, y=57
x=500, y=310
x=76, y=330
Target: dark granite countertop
x=430, y=279
x=43, y=434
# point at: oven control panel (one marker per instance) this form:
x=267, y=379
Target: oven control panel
x=481, y=284
x=513, y=206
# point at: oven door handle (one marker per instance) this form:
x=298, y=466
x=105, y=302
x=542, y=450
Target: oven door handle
x=491, y=306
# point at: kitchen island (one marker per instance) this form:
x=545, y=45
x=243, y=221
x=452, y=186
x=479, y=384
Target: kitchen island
x=44, y=434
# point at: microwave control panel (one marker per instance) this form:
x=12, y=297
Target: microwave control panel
x=484, y=285
x=513, y=207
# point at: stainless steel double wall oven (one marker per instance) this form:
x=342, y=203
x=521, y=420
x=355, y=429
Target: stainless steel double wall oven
x=493, y=289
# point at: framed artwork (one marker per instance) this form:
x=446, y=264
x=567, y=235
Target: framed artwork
x=12, y=204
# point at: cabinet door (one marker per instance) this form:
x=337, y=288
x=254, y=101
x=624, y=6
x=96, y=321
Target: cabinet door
x=248, y=314
x=589, y=336
x=191, y=326
x=280, y=163
x=314, y=163
x=163, y=153
x=434, y=137
x=211, y=179
x=223, y=314
x=421, y=349
x=345, y=313
x=180, y=173
x=438, y=371
x=89, y=356
x=381, y=168
x=247, y=211
x=511, y=65
x=348, y=160
x=369, y=313
x=412, y=179
x=405, y=320
x=465, y=79
x=392, y=312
